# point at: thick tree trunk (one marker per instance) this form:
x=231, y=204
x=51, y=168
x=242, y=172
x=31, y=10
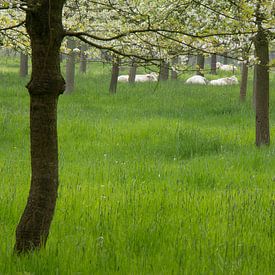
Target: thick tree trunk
x=115, y=73
x=23, y=65
x=213, y=64
x=83, y=59
x=262, y=89
x=164, y=71
x=70, y=67
x=200, y=64
x=174, y=74
x=132, y=72
x=243, y=86
x=44, y=26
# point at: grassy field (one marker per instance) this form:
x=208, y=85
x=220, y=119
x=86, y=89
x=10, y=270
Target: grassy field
x=157, y=179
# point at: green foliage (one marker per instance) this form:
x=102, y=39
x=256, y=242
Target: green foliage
x=157, y=179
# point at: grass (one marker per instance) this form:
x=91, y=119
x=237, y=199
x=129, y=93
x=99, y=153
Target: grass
x=158, y=179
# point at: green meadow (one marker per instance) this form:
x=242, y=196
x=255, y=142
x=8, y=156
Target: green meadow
x=160, y=178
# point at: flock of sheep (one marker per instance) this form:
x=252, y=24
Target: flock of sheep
x=196, y=79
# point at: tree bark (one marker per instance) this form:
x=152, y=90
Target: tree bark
x=213, y=64
x=70, y=67
x=83, y=59
x=164, y=71
x=115, y=73
x=243, y=86
x=262, y=88
x=200, y=64
x=44, y=26
x=132, y=72
x=23, y=65
x=174, y=74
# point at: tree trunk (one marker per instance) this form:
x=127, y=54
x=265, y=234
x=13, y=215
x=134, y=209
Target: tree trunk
x=174, y=74
x=70, y=66
x=213, y=64
x=225, y=59
x=243, y=86
x=83, y=59
x=115, y=73
x=164, y=71
x=200, y=64
x=132, y=72
x=262, y=88
x=23, y=65
x=44, y=88
x=254, y=88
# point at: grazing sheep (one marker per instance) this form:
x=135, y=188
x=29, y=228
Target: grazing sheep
x=227, y=68
x=196, y=79
x=139, y=77
x=224, y=81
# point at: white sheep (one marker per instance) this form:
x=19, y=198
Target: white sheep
x=224, y=81
x=227, y=68
x=139, y=77
x=196, y=79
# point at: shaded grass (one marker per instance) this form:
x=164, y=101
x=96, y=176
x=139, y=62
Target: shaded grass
x=154, y=180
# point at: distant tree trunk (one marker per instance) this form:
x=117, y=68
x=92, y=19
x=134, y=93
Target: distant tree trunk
x=174, y=74
x=254, y=88
x=225, y=58
x=262, y=88
x=164, y=71
x=243, y=86
x=83, y=59
x=44, y=88
x=70, y=67
x=213, y=64
x=115, y=73
x=200, y=64
x=23, y=65
x=132, y=72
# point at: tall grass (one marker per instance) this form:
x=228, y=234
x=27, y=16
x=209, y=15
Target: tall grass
x=157, y=179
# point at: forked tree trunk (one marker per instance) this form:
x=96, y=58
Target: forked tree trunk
x=200, y=64
x=164, y=71
x=23, y=65
x=174, y=74
x=132, y=72
x=262, y=88
x=83, y=59
x=70, y=66
x=213, y=64
x=115, y=73
x=243, y=86
x=44, y=88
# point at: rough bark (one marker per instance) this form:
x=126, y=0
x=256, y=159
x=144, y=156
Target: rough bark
x=164, y=71
x=200, y=64
x=132, y=72
x=115, y=73
x=262, y=88
x=83, y=59
x=70, y=66
x=44, y=26
x=23, y=65
x=243, y=86
x=213, y=64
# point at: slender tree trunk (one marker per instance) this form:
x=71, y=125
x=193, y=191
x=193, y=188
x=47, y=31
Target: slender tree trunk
x=164, y=71
x=44, y=88
x=70, y=66
x=200, y=64
x=23, y=65
x=243, y=86
x=213, y=64
x=83, y=59
x=262, y=88
x=174, y=74
x=225, y=59
x=132, y=72
x=115, y=73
